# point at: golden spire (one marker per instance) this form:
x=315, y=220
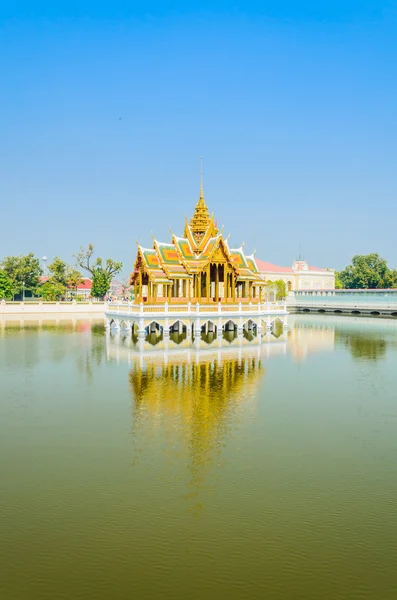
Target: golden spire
x=201, y=220
x=201, y=201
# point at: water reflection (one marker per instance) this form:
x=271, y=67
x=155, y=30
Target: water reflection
x=308, y=336
x=365, y=338
x=25, y=347
x=194, y=408
x=363, y=346
x=94, y=354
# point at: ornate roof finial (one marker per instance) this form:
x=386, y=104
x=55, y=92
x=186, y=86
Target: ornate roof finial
x=201, y=180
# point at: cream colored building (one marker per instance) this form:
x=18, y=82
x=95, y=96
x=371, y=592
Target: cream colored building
x=301, y=276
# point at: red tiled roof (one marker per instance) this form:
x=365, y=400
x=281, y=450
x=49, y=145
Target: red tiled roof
x=269, y=267
x=86, y=283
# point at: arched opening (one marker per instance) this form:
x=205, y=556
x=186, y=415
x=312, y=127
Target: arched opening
x=306, y=310
x=249, y=325
x=209, y=331
x=178, y=327
x=356, y=312
x=229, y=331
x=154, y=333
x=393, y=314
x=249, y=330
x=321, y=310
x=337, y=311
x=277, y=328
x=375, y=313
x=178, y=332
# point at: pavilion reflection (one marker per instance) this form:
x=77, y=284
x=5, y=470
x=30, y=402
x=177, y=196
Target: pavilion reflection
x=192, y=407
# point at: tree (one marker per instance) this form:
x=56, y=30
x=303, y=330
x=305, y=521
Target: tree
x=52, y=290
x=367, y=272
x=58, y=270
x=281, y=290
x=24, y=272
x=100, y=284
x=62, y=274
x=102, y=273
x=278, y=287
x=74, y=279
x=6, y=287
x=338, y=282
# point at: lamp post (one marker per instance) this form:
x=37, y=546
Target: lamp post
x=23, y=291
x=44, y=259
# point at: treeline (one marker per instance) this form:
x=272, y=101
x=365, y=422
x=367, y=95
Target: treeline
x=369, y=271
x=22, y=274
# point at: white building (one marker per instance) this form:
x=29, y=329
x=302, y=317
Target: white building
x=300, y=276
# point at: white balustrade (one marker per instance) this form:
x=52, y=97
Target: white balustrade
x=141, y=309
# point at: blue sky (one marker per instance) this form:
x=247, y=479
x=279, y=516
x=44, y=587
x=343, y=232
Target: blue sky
x=106, y=107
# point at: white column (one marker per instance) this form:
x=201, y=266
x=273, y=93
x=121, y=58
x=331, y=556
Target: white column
x=240, y=326
x=197, y=327
x=166, y=327
x=141, y=328
x=219, y=329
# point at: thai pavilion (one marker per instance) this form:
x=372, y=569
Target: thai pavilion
x=197, y=268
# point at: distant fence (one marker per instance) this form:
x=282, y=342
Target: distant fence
x=39, y=306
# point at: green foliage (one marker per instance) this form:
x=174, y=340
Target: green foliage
x=23, y=271
x=52, y=290
x=279, y=287
x=100, y=284
x=338, y=282
x=62, y=277
x=58, y=270
x=101, y=272
x=368, y=272
x=74, y=279
x=6, y=287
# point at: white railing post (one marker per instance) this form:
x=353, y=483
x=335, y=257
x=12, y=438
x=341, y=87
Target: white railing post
x=141, y=308
x=166, y=307
x=129, y=308
x=197, y=307
x=240, y=307
x=219, y=307
x=188, y=307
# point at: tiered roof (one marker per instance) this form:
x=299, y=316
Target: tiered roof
x=201, y=244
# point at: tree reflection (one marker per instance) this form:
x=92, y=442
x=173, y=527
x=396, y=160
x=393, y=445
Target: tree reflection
x=95, y=354
x=362, y=346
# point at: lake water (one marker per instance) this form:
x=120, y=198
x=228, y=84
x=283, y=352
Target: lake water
x=240, y=470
